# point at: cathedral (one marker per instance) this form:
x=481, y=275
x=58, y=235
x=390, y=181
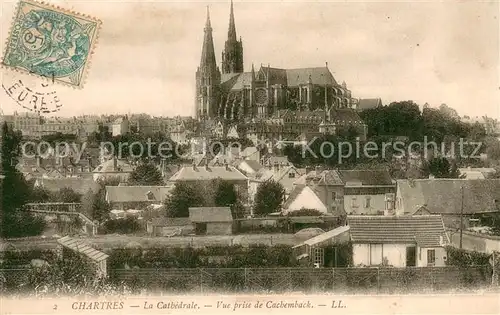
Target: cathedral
x=231, y=95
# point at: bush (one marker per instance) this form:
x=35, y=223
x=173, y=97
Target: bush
x=305, y=213
x=465, y=258
x=121, y=226
x=209, y=257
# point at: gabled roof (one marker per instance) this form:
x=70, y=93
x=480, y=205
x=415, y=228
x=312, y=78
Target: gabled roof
x=367, y=177
x=423, y=230
x=210, y=214
x=325, y=177
x=195, y=173
x=369, y=103
x=444, y=196
x=137, y=193
x=254, y=165
x=80, y=247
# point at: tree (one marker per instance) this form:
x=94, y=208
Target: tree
x=67, y=194
x=225, y=194
x=442, y=168
x=269, y=197
x=182, y=197
x=15, y=191
x=94, y=204
x=146, y=174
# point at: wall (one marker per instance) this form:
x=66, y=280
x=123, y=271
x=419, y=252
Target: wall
x=307, y=199
x=471, y=241
x=377, y=204
x=325, y=193
x=220, y=228
x=374, y=254
x=422, y=257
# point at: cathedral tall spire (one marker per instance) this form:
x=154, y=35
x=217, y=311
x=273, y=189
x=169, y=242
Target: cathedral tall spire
x=208, y=52
x=207, y=76
x=232, y=56
x=231, y=33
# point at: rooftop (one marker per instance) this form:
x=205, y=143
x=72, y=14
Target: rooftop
x=424, y=230
x=210, y=214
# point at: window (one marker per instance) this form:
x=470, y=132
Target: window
x=318, y=256
x=334, y=195
x=354, y=202
x=291, y=175
x=368, y=202
x=431, y=257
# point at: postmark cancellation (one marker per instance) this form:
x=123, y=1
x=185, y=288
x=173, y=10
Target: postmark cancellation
x=51, y=42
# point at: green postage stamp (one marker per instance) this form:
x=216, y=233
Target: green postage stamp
x=51, y=42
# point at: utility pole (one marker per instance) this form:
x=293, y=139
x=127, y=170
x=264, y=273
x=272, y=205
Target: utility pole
x=461, y=216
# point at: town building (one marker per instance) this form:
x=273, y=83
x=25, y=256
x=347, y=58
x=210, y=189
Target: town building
x=405, y=241
x=113, y=168
x=136, y=197
x=211, y=220
x=455, y=199
x=205, y=174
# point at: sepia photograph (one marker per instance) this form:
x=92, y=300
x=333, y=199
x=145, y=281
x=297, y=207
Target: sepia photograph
x=249, y=156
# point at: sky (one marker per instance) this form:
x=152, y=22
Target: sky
x=148, y=51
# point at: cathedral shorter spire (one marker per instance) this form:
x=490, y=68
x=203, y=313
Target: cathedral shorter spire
x=232, y=56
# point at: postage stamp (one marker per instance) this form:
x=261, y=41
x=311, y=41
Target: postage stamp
x=51, y=42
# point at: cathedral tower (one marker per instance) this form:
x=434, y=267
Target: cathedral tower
x=207, y=77
x=232, y=56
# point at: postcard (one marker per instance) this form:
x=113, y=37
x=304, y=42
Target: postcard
x=242, y=157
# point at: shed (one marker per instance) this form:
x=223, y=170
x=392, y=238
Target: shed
x=320, y=250
x=211, y=220
x=95, y=257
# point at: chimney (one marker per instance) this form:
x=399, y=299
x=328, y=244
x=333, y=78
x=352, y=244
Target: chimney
x=38, y=161
x=206, y=165
x=227, y=166
x=194, y=166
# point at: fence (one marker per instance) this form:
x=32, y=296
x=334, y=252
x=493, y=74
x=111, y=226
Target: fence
x=345, y=280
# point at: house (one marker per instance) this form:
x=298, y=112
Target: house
x=163, y=226
x=136, y=197
x=120, y=126
x=113, y=168
x=368, y=192
x=251, y=153
x=449, y=197
x=285, y=174
x=368, y=103
x=304, y=197
x=249, y=167
x=398, y=241
x=79, y=185
x=321, y=250
x=207, y=173
x=211, y=220
x=328, y=186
